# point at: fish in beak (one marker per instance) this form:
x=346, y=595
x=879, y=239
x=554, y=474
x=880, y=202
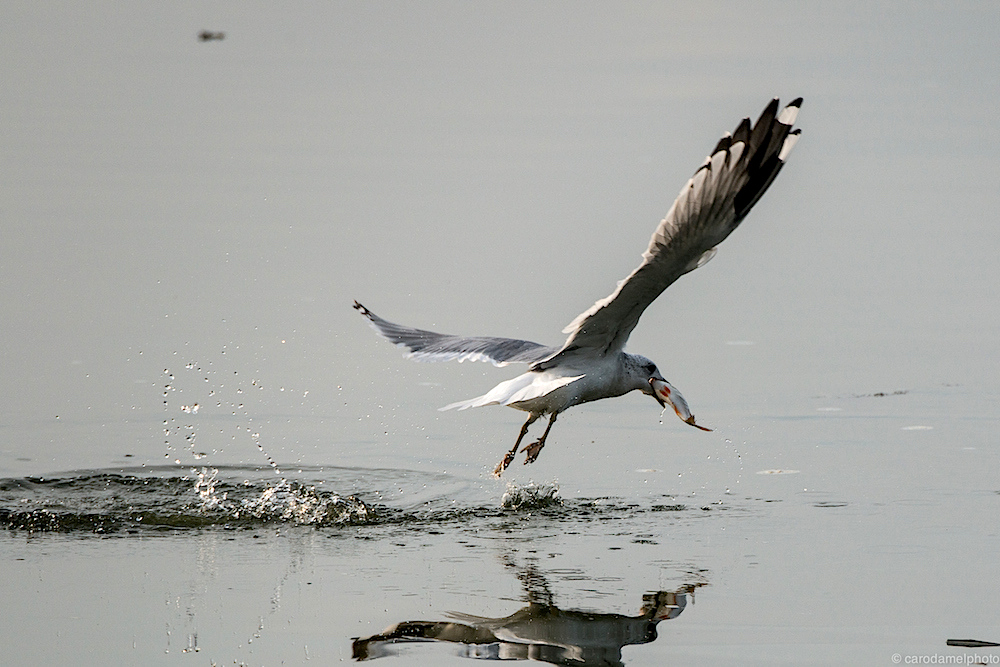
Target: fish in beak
x=665, y=394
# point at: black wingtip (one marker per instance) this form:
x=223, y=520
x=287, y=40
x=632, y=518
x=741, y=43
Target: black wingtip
x=769, y=111
x=742, y=132
x=364, y=311
x=723, y=145
x=797, y=102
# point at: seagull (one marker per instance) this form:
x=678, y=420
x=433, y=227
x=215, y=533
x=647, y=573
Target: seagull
x=592, y=363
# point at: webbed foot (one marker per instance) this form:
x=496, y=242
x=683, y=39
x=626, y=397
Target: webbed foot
x=507, y=460
x=532, y=451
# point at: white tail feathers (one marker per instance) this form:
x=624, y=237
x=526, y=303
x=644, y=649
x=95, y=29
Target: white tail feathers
x=524, y=387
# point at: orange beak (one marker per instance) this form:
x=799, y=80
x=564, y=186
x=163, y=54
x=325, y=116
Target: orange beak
x=665, y=393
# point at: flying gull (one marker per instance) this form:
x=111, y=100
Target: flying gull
x=592, y=363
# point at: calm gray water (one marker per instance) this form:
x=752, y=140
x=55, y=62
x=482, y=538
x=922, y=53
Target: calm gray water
x=207, y=457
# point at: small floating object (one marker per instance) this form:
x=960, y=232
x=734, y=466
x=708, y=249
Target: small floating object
x=971, y=643
x=211, y=36
x=917, y=427
x=778, y=472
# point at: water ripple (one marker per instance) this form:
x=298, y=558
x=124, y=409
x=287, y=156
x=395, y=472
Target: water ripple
x=170, y=499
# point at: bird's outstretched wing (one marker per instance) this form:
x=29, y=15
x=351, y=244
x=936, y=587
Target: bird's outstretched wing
x=710, y=206
x=429, y=346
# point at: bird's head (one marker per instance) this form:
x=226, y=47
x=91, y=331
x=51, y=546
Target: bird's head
x=666, y=394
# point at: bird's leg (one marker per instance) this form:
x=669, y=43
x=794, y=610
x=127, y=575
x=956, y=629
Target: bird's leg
x=509, y=458
x=534, y=448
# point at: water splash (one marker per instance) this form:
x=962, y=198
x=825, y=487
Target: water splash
x=304, y=505
x=530, y=497
x=207, y=399
x=171, y=499
x=104, y=502
x=204, y=486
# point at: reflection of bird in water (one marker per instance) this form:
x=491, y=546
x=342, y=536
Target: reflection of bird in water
x=592, y=364
x=540, y=631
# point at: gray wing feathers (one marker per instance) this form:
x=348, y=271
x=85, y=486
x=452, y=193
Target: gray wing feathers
x=430, y=346
x=710, y=206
